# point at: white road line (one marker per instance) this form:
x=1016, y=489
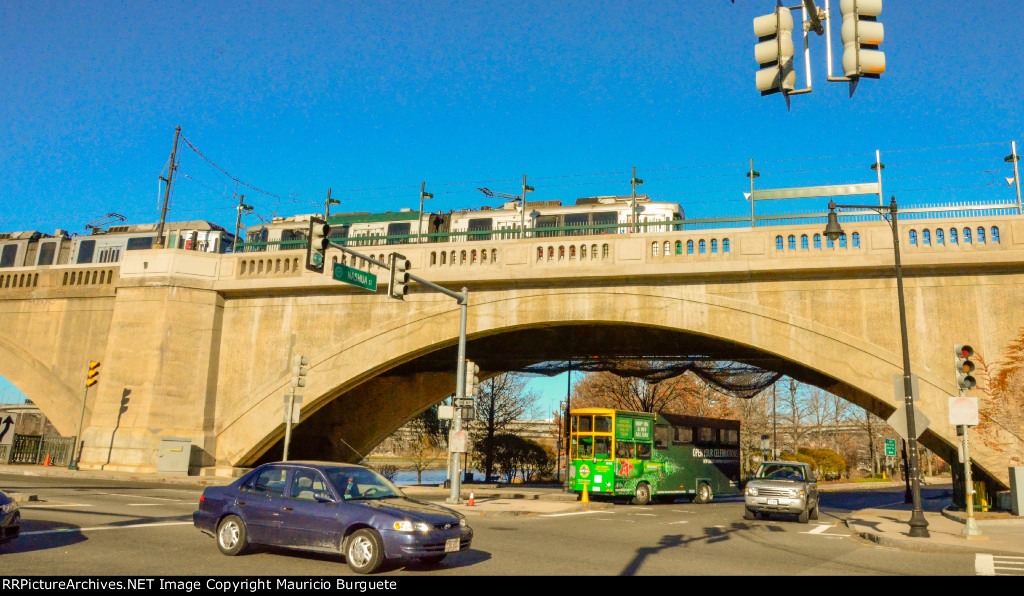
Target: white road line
x=97, y=528
x=678, y=522
x=48, y=505
x=646, y=514
x=140, y=497
x=144, y=504
x=984, y=565
x=575, y=513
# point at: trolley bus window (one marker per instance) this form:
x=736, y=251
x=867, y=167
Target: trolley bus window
x=682, y=435
x=625, y=450
x=661, y=437
x=705, y=435
x=602, y=424
x=585, y=448
x=643, y=451
x=586, y=424
x=602, y=447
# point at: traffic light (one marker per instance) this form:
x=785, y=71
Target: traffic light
x=299, y=370
x=92, y=377
x=472, y=382
x=398, y=287
x=861, y=34
x=965, y=367
x=318, y=242
x=775, y=51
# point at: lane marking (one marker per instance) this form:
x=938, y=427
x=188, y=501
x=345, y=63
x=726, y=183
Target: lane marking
x=144, y=504
x=678, y=522
x=984, y=564
x=575, y=513
x=48, y=505
x=98, y=528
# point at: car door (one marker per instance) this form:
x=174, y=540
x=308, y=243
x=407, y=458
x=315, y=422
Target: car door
x=259, y=503
x=307, y=522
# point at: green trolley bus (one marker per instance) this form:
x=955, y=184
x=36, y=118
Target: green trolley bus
x=644, y=456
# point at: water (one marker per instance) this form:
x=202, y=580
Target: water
x=430, y=477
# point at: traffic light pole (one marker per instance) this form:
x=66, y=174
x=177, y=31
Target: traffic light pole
x=78, y=437
x=460, y=371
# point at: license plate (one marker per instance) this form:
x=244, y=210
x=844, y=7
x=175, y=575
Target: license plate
x=451, y=545
x=773, y=501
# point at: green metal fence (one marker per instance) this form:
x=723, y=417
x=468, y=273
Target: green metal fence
x=33, y=449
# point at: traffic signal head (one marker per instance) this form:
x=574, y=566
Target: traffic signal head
x=965, y=367
x=399, y=285
x=318, y=241
x=861, y=34
x=775, y=51
x=472, y=382
x=91, y=378
x=299, y=370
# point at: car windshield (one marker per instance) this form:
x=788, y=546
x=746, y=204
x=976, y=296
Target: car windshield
x=362, y=484
x=780, y=472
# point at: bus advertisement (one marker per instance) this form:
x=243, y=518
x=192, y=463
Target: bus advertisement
x=645, y=456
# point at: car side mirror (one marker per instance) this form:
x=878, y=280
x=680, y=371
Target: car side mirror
x=323, y=497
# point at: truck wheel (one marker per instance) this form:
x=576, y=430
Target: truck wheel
x=704, y=494
x=643, y=494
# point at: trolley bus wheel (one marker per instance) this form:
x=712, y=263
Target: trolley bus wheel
x=643, y=494
x=704, y=494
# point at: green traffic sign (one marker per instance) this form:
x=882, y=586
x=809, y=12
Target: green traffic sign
x=890, y=447
x=355, y=277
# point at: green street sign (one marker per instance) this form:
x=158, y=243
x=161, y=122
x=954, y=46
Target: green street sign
x=355, y=277
x=890, y=447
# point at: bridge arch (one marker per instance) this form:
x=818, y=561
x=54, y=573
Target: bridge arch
x=45, y=388
x=352, y=373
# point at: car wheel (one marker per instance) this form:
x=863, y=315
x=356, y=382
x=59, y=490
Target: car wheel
x=748, y=514
x=803, y=517
x=432, y=559
x=232, y=538
x=643, y=494
x=814, y=512
x=364, y=551
x=704, y=494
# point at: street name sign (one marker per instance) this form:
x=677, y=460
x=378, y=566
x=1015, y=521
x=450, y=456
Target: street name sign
x=367, y=281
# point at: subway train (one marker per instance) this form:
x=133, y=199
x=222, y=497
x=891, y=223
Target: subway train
x=588, y=216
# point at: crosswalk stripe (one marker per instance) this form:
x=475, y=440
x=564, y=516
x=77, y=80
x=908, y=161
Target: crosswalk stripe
x=984, y=565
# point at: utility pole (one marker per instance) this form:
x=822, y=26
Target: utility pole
x=167, y=189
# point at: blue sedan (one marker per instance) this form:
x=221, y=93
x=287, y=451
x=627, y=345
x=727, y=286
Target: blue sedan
x=329, y=507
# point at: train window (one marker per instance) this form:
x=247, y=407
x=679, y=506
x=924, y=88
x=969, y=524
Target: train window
x=46, y=253
x=85, y=251
x=605, y=218
x=399, y=229
x=480, y=224
x=340, y=231
x=143, y=243
x=576, y=220
x=8, y=255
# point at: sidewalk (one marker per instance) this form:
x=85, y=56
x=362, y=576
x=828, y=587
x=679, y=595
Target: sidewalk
x=1000, y=535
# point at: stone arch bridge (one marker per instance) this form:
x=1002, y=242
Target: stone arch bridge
x=199, y=346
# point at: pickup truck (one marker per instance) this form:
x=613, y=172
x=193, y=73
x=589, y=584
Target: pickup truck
x=788, y=487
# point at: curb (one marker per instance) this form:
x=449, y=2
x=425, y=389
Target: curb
x=923, y=546
x=960, y=517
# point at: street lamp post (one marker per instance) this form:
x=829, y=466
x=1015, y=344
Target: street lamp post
x=918, y=524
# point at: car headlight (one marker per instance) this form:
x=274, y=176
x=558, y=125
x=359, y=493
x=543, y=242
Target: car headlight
x=408, y=526
x=462, y=522
x=752, y=491
x=9, y=507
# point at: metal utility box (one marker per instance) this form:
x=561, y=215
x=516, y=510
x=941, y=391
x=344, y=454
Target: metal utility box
x=174, y=456
x=1016, y=490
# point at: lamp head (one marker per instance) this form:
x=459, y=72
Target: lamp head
x=832, y=228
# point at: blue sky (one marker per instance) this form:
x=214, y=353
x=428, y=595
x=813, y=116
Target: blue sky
x=371, y=98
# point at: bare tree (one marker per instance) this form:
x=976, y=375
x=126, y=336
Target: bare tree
x=422, y=442
x=502, y=399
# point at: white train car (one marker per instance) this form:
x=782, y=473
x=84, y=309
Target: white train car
x=109, y=246
x=31, y=249
x=588, y=216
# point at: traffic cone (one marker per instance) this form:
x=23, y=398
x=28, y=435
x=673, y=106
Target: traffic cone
x=585, y=498
x=47, y=462
x=470, y=504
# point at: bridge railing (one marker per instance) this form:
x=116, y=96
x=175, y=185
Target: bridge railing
x=938, y=211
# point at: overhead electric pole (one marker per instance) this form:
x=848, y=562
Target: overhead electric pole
x=167, y=190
